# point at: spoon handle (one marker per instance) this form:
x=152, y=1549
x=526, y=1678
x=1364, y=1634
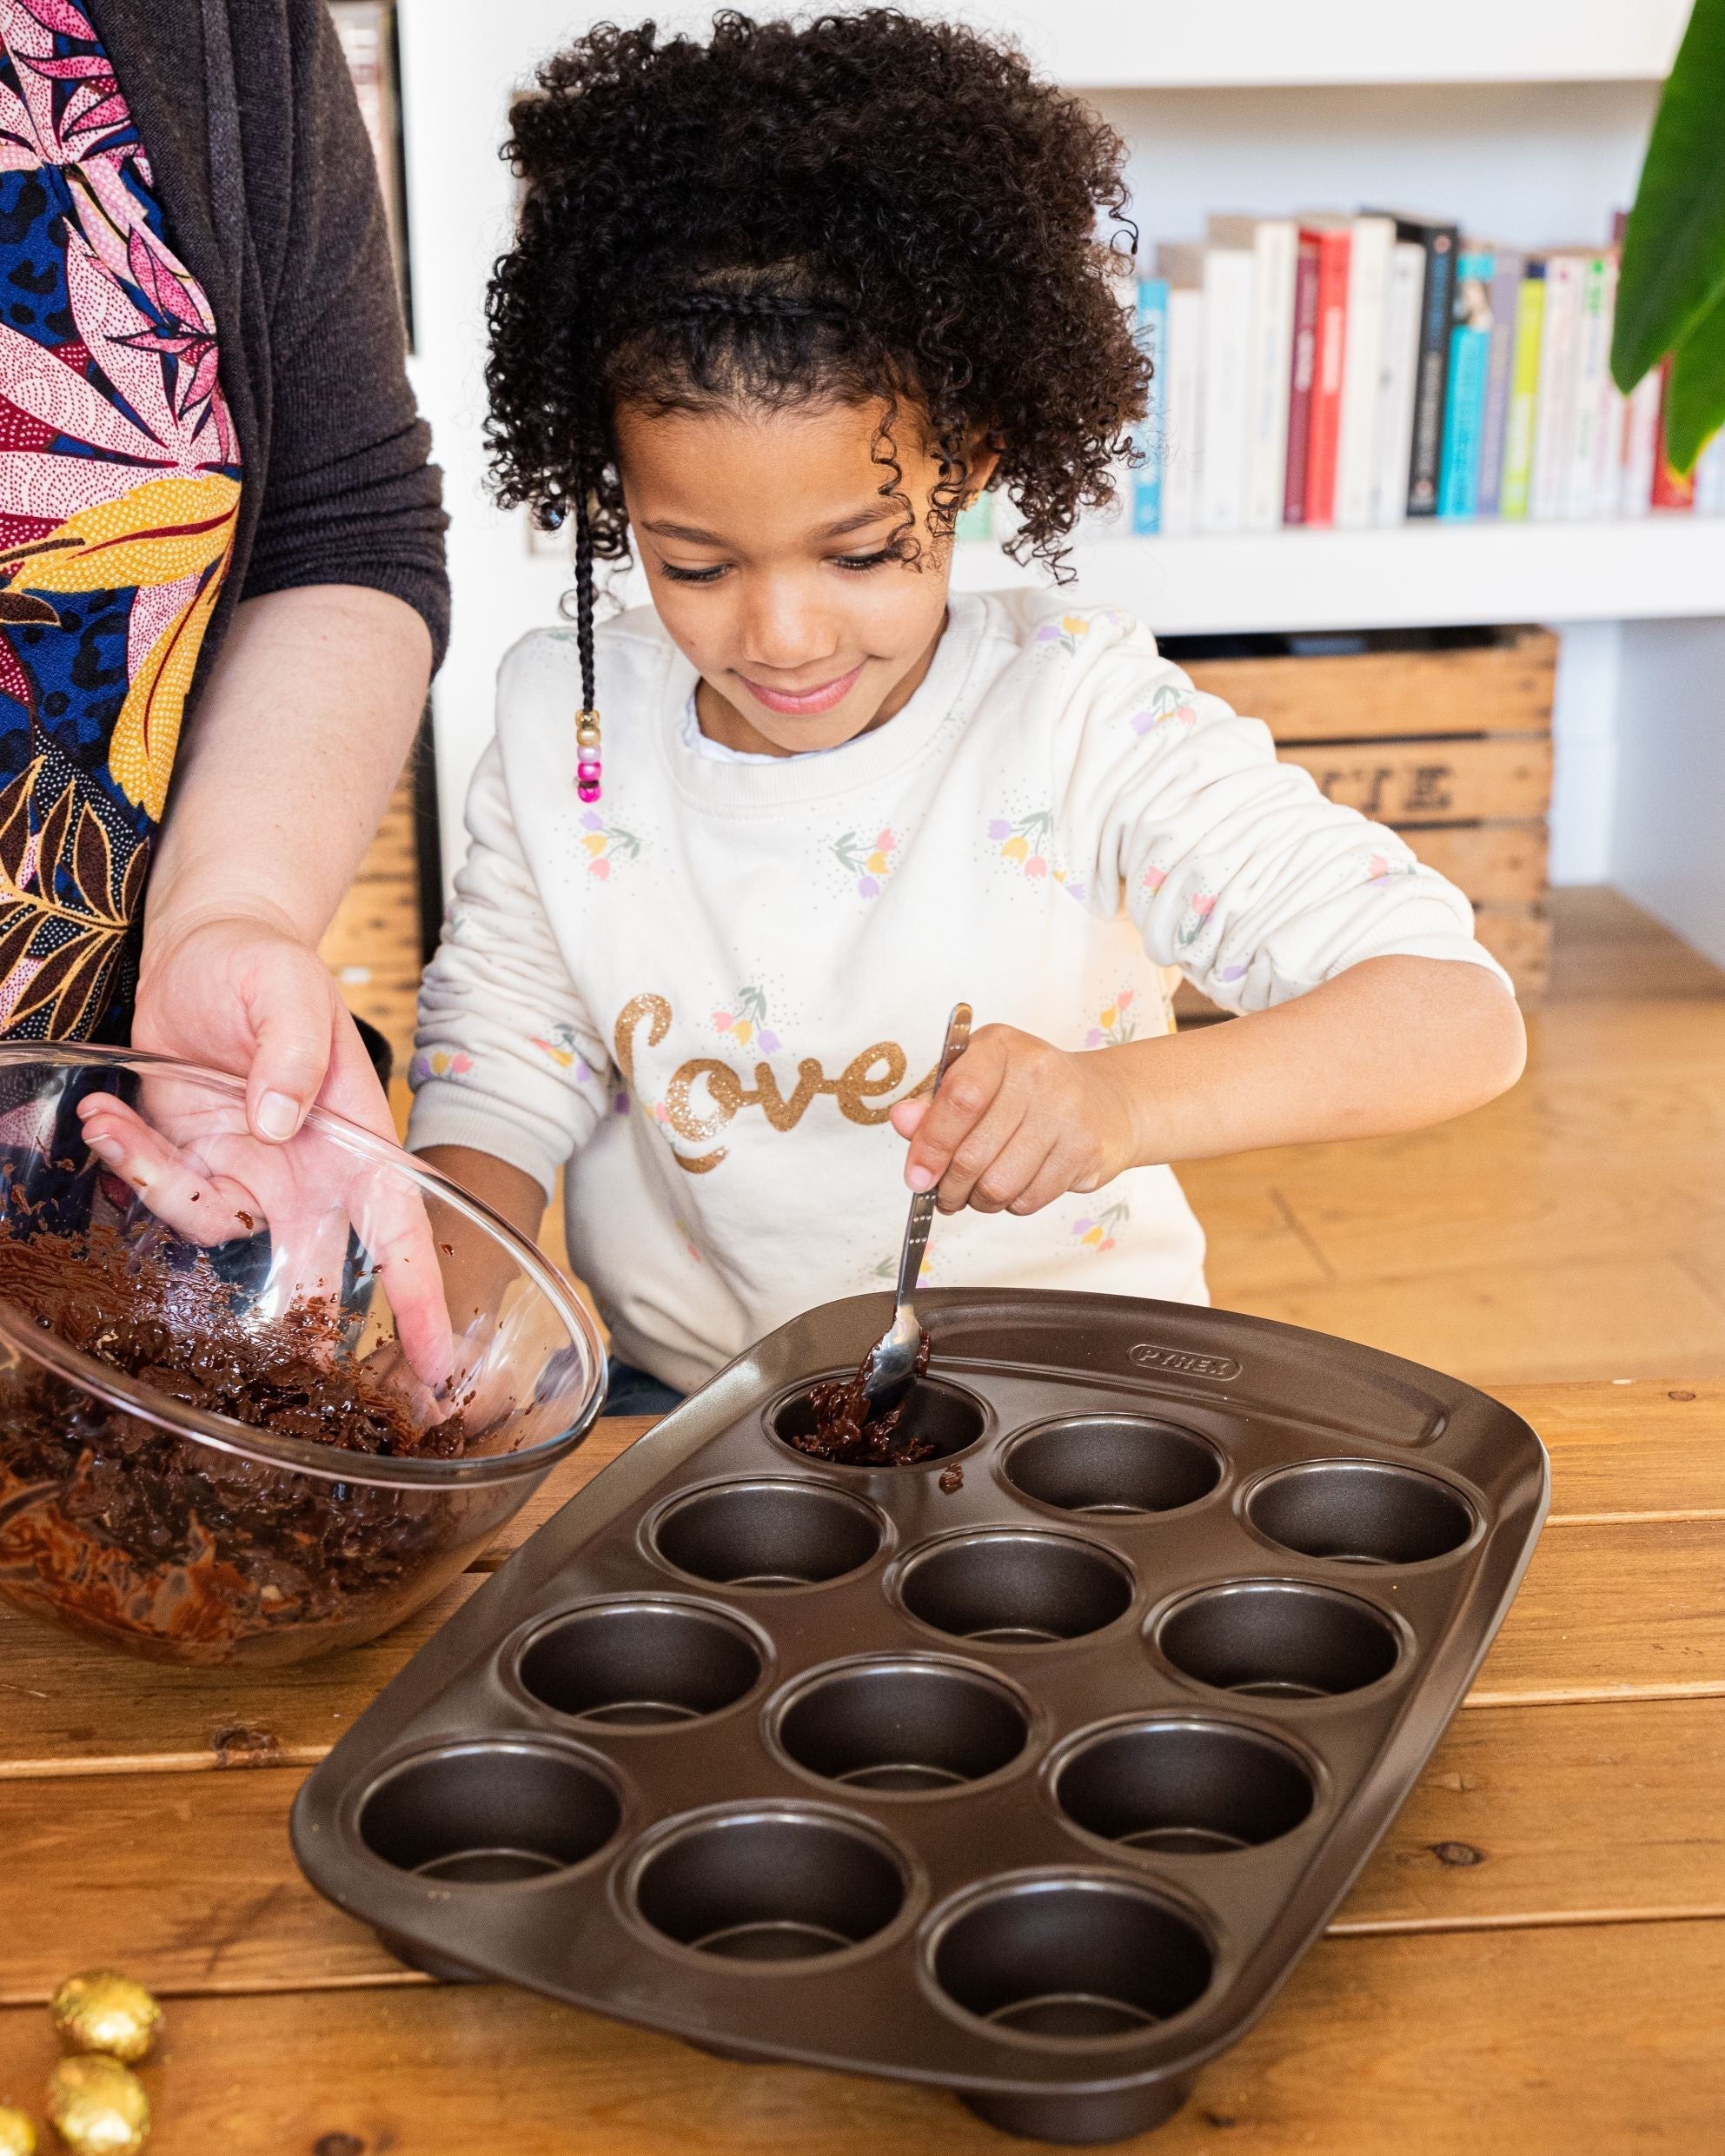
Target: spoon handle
x=922, y=1205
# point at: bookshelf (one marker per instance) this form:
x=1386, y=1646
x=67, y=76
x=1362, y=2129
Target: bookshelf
x=1527, y=118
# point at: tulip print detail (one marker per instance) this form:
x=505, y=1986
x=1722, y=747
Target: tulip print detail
x=871, y=861
x=562, y=1045
x=439, y=1063
x=1026, y=842
x=604, y=844
x=1169, y=707
x=1068, y=632
x=1381, y=873
x=746, y=1025
x=1097, y=1232
x=1115, y=1024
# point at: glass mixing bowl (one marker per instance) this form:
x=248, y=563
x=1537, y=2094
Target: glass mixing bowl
x=256, y=1401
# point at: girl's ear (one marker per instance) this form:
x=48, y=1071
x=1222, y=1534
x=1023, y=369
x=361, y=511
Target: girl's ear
x=984, y=459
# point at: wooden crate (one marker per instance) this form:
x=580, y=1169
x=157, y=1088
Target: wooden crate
x=374, y=942
x=1450, y=746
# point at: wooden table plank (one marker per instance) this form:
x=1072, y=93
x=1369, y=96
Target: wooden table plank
x=1620, y=1609
x=1597, y=2037
x=1632, y=1450
x=1624, y=1609
x=1521, y=1818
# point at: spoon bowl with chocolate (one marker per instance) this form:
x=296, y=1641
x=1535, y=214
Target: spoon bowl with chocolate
x=257, y=1403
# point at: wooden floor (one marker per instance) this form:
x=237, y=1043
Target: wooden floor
x=1574, y=1229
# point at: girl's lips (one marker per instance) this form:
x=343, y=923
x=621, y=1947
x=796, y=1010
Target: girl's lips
x=822, y=699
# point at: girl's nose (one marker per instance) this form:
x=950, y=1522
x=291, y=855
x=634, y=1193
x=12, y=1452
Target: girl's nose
x=785, y=627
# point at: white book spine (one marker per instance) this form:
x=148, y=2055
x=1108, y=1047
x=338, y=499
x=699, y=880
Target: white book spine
x=1710, y=477
x=1554, y=425
x=1183, y=372
x=1269, y=363
x=1593, y=383
x=1640, y=446
x=1368, y=285
x=1397, y=364
x=1222, y=424
x=1608, y=469
x=1228, y=326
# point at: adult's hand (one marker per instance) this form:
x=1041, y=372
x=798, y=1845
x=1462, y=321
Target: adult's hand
x=242, y=992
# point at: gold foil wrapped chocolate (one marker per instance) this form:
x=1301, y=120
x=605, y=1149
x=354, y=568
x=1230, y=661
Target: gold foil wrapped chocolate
x=98, y=2107
x=17, y=2131
x=100, y=2011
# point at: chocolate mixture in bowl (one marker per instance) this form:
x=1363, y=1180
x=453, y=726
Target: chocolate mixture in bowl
x=846, y=1432
x=179, y=1547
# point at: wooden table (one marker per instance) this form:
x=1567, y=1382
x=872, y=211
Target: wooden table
x=1534, y=1960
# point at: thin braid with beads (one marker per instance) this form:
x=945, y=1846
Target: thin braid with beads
x=588, y=769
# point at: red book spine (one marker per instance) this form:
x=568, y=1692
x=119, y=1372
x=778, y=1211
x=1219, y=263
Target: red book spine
x=1670, y=490
x=1325, y=427
x=1300, y=381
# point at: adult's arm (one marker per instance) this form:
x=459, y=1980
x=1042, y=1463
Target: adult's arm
x=303, y=719
x=307, y=717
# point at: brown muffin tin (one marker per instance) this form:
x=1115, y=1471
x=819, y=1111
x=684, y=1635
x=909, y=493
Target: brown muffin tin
x=1034, y=1788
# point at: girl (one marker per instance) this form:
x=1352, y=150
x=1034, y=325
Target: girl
x=779, y=305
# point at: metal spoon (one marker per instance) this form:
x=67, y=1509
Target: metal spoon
x=890, y=1363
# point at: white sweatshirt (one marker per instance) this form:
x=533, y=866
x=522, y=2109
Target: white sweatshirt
x=705, y=994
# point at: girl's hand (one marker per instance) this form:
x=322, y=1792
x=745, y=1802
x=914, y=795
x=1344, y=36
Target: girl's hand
x=1018, y=1123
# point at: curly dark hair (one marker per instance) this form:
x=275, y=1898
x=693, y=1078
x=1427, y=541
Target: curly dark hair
x=865, y=205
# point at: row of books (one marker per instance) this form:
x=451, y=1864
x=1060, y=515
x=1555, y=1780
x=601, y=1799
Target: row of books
x=1353, y=371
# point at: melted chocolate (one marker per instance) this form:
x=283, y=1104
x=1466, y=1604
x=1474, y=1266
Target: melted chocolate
x=176, y=1546
x=847, y=1433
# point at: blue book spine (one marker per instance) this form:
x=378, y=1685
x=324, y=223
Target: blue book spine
x=1470, y=371
x=1151, y=332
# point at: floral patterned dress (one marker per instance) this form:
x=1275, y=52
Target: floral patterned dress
x=119, y=489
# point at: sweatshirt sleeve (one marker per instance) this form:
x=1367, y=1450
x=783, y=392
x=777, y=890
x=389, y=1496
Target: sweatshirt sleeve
x=350, y=495
x=1233, y=867
x=508, y=1058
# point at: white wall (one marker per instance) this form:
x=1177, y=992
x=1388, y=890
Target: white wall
x=1668, y=836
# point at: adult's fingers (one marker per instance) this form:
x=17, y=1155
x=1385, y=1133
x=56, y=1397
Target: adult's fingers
x=178, y=1187
x=292, y=1003
x=391, y=1217
x=966, y=1094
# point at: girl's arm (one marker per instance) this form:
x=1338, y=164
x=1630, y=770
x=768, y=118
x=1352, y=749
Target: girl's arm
x=1392, y=1043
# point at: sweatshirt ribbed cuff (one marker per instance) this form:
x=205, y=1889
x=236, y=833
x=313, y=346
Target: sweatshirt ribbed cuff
x=447, y=1114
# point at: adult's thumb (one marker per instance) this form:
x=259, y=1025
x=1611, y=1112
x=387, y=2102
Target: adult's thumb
x=291, y=1019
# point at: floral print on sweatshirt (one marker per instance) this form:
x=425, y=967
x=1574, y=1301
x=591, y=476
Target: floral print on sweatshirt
x=119, y=493
x=1028, y=843
x=869, y=860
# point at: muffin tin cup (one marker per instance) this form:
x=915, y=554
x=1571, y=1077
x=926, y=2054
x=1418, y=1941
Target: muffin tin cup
x=1029, y=1780
x=903, y=1726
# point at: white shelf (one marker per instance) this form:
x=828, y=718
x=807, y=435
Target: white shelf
x=1169, y=44
x=1417, y=575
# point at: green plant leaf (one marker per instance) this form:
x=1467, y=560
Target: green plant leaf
x=1695, y=400
x=1673, y=246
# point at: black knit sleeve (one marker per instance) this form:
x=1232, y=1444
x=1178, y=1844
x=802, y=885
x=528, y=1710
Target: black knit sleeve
x=350, y=495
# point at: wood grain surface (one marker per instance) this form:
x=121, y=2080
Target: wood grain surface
x=1533, y=1957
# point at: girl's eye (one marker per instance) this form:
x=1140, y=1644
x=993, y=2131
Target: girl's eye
x=861, y=561
x=691, y=576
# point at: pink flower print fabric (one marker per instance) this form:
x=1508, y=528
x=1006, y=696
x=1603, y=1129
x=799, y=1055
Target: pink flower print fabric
x=119, y=495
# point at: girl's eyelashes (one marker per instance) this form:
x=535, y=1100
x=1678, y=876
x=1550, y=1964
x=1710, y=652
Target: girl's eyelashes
x=691, y=576
x=855, y=564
